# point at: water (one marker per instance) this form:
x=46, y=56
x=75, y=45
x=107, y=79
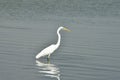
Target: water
x=90, y=52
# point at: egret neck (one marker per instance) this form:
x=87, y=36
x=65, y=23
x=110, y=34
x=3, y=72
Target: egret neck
x=59, y=37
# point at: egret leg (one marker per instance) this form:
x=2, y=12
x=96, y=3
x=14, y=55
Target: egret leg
x=48, y=60
x=48, y=57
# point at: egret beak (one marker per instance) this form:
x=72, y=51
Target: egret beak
x=66, y=29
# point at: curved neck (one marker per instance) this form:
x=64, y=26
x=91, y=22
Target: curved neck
x=59, y=37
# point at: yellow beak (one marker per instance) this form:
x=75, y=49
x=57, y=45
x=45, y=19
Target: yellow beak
x=66, y=29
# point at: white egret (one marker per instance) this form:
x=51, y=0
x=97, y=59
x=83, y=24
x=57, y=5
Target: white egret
x=50, y=49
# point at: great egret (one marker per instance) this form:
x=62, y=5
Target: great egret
x=50, y=49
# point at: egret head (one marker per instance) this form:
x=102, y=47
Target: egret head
x=64, y=28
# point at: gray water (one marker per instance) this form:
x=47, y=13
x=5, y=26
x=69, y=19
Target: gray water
x=91, y=51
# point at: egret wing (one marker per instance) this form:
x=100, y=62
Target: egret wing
x=48, y=50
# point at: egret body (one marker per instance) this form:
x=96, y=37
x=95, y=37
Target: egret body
x=50, y=49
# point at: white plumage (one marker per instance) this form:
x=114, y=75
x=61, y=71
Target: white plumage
x=50, y=49
x=46, y=51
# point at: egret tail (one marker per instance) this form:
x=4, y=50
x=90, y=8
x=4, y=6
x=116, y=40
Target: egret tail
x=38, y=56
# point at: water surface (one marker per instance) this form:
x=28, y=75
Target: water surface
x=91, y=51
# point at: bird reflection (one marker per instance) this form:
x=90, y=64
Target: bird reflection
x=48, y=69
